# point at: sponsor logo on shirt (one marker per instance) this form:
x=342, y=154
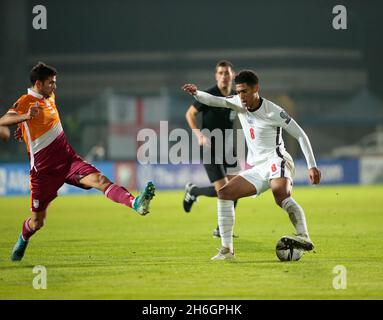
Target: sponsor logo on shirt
x=285, y=115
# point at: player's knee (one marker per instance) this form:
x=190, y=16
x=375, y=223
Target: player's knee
x=226, y=194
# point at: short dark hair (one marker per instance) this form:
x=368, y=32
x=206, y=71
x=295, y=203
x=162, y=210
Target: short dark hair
x=247, y=76
x=41, y=71
x=224, y=63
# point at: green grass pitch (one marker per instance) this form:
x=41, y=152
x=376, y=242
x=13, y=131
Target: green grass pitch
x=95, y=249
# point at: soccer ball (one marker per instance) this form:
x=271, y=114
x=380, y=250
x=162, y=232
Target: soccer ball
x=287, y=253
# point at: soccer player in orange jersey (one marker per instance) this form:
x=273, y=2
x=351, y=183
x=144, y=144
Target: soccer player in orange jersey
x=53, y=161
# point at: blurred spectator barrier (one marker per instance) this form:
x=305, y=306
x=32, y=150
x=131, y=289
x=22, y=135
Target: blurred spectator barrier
x=14, y=177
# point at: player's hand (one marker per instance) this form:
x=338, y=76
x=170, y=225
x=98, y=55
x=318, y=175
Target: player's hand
x=315, y=175
x=204, y=141
x=190, y=88
x=18, y=135
x=33, y=111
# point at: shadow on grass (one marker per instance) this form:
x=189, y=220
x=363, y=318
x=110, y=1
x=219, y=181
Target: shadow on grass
x=16, y=265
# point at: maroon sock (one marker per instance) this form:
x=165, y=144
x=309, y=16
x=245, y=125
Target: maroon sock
x=119, y=194
x=27, y=232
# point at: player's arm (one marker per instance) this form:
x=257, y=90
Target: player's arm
x=12, y=117
x=297, y=132
x=191, y=118
x=210, y=100
x=4, y=133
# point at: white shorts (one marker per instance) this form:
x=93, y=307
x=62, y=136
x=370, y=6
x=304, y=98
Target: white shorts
x=275, y=167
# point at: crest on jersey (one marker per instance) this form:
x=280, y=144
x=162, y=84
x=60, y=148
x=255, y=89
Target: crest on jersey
x=36, y=203
x=285, y=115
x=250, y=120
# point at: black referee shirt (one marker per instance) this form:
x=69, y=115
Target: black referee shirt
x=213, y=117
x=218, y=118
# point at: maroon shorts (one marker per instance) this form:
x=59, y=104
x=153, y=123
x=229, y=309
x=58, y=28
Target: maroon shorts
x=55, y=165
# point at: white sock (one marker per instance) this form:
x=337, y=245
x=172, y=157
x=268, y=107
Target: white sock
x=226, y=222
x=296, y=215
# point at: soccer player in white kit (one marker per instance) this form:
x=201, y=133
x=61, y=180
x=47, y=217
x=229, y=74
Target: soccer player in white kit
x=262, y=122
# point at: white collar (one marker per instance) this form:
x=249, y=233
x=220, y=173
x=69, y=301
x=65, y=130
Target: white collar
x=35, y=94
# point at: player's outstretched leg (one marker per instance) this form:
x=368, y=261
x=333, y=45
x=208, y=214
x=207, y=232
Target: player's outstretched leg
x=298, y=242
x=192, y=192
x=281, y=188
x=189, y=198
x=19, y=249
x=298, y=219
x=141, y=203
x=120, y=194
x=23, y=240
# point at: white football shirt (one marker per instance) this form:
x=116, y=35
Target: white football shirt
x=263, y=128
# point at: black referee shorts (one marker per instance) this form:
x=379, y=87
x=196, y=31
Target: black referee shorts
x=218, y=168
x=217, y=172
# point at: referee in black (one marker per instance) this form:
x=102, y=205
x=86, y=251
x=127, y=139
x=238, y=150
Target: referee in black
x=214, y=118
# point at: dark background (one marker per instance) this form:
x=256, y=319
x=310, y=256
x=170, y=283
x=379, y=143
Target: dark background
x=331, y=79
